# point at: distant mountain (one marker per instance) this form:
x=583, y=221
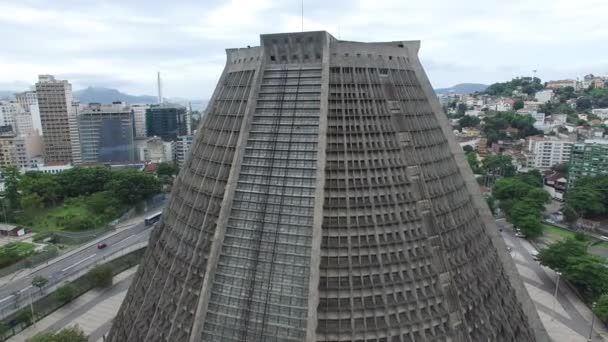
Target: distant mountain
x=6, y=94
x=462, y=88
x=108, y=95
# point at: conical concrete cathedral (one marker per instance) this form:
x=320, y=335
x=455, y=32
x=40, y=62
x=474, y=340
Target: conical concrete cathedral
x=325, y=199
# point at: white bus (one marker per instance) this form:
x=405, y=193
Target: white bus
x=152, y=219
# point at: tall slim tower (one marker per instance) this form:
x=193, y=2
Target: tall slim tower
x=160, y=88
x=326, y=199
x=57, y=117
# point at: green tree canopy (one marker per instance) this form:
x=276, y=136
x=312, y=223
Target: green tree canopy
x=101, y=276
x=11, y=186
x=166, y=169
x=469, y=121
x=131, y=186
x=39, y=282
x=601, y=308
x=510, y=188
x=589, y=273
x=65, y=293
x=499, y=165
x=529, y=225
x=81, y=181
x=586, y=201
x=556, y=255
x=519, y=104
x=42, y=184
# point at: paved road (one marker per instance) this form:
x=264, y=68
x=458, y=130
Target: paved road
x=571, y=320
x=57, y=271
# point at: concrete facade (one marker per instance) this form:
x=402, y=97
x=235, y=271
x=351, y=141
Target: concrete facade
x=57, y=118
x=326, y=199
x=545, y=152
x=106, y=133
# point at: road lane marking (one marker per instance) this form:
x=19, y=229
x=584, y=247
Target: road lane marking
x=26, y=288
x=78, y=263
x=5, y=298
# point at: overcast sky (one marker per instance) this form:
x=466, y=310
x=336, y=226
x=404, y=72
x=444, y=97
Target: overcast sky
x=121, y=44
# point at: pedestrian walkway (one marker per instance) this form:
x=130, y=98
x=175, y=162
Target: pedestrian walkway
x=92, y=312
x=566, y=318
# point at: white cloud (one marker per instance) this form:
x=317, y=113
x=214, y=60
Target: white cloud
x=128, y=41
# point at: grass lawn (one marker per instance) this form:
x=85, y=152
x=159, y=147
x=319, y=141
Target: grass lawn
x=49, y=219
x=557, y=234
x=15, y=251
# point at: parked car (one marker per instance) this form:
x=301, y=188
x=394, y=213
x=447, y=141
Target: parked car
x=102, y=245
x=520, y=235
x=535, y=255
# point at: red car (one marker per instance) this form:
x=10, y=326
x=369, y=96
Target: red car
x=102, y=245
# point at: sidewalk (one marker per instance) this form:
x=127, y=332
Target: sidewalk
x=92, y=312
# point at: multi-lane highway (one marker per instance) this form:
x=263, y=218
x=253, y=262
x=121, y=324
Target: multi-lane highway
x=63, y=267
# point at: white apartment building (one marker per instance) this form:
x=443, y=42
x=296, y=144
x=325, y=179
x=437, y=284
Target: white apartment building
x=602, y=113
x=545, y=152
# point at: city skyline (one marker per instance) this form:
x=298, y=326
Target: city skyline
x=122, y=45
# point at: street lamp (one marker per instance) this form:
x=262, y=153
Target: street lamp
x=555, y=295
x=592, y=322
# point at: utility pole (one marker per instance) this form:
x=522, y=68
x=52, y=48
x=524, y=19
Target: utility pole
x=302, y=15
x=592, y=322
x=555, y=295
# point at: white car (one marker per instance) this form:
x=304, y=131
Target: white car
x=520, y=235
x=534, y=255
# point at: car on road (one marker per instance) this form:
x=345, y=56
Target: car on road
x=520, y=235
x=102, y=245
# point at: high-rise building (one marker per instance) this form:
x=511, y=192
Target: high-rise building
x=326, y=199
x=26, y=99
x=8, y=111
x=139, y=113
x=545, y=152
x=59, y=125
x=588, y=159
x=182, y=149
x=166, y=121
x=106, y=133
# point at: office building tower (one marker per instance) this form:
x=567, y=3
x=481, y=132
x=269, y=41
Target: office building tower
x=57, y=118
x=106, y=133
x=182, y=149
x=326, y=199
x=8, y=111
x=588, y=159
x=26, y=99
x=139, y=113
x=166, y=121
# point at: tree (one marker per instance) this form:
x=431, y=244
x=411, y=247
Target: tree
x=102, y=203
x=166, y=169
x=461, y=109
x=556, y=255
x=32, y=202
x=101, y=276
x=589, y=273
x=81, y=181
x=530, y=226
x=499, y=165
x=519, y=104
x=473, y=162
x=584, y=103
x=131, y=186
x=24, y=317
x=467, y=148
x=586, y=201
x=65, y=293
x=11, y=185
x=491, y=201
x=601, y=307
x=468, y=121
x=532, y=177
x=510, y=188
x=73, y=334
x=570, y=215
x=42, y=184
x=538, y=198
x=39, y=282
